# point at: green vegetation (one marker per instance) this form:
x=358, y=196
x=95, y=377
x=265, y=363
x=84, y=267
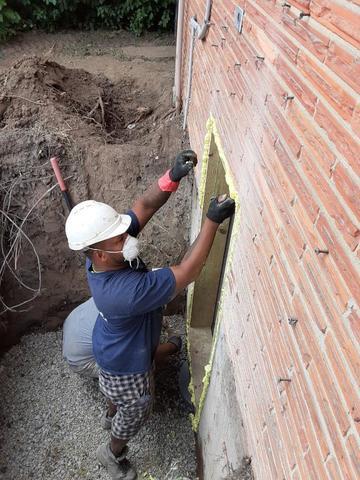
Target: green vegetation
x=50, y=15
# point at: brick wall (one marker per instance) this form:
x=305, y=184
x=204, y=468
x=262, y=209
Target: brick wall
x=285, y=98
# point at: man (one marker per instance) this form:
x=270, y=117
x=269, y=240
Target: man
x=127, y=329
x=78, y=348
x=77, y=340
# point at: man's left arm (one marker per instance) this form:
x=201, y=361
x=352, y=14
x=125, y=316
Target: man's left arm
x=158, y=193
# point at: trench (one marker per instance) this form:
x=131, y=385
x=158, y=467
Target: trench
x=114, y=135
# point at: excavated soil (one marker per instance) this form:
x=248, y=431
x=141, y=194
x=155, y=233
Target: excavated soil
x=114, y=136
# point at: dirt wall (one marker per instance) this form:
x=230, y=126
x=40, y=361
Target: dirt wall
x=113, y=140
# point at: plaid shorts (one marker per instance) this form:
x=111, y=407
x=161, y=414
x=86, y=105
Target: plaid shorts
x=133, y=396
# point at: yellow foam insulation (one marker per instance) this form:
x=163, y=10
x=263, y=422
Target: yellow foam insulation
x=212, y=134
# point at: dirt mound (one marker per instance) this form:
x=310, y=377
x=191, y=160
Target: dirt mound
x=58, y=94
x=113, y=141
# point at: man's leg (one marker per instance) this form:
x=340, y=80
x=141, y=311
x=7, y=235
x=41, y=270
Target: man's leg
x=111, y=408
x=117, y=445
x=163, y=352
x=132, y=396
x=108, y=415
x=89, y=369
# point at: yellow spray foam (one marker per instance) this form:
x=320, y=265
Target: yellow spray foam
x=212, y=134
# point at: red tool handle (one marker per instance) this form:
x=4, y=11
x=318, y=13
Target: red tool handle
x=55, y=166
x=67, y=198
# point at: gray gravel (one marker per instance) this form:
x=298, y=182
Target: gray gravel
x=50, y=420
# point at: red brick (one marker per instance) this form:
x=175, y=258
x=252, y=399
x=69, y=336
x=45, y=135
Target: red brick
x=347, y=187
x=319, y=149
x=255, y=15
x=286, y=46
x=355, y=121
x=343, y=103
x=303, y=331
x=331, y=416
x=353, y=447
x=290, y=224
x=333, y=468
x=337, y=18
x=344, y=265
x=352, y=399
x=302, y=93
x=317, y=470
x=296, y=475
x=309, y=297
x=337, y=134
x=330, y=202
x=300, y=409
x=332, y=296
x=304, y=334
x=306, y=222
x=344, y=64
x=327, y=298
x=260, y=40
x=354, y=320
x=303, y=5
x=293, y=449
x=304, y=409
x=302, y=191
x=310, y=38
x=278, y=117
x=274, y=10
x=284, y=282
x=275, y=466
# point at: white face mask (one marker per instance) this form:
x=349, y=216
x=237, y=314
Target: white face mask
x=130, y=249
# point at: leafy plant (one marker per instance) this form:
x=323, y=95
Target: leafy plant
x=136, y=15
x=9, y=20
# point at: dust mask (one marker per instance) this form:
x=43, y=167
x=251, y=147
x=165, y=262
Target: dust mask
x=130, y=249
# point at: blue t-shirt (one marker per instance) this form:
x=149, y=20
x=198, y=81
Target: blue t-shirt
x=127, y=330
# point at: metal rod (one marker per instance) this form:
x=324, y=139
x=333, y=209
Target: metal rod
x=321, y=250
x=188, y=92
x=179, y=44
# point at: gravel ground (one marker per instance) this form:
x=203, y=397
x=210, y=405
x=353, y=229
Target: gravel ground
x=50, y=420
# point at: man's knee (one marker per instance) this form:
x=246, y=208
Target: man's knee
x=89, y=369
x=131, y=417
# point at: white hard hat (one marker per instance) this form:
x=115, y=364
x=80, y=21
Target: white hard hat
x=90, y=222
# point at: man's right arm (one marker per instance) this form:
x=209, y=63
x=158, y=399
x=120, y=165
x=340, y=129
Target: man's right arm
x=190, y=268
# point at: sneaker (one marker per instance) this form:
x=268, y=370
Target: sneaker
x=106, y=421
x=119, y=468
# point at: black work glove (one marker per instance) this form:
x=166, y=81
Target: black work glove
x=184, y=162
x=221, y=208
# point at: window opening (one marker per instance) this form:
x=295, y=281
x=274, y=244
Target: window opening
x=207, y=288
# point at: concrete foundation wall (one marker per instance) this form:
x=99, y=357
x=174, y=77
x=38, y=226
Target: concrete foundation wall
x=221, y=431
x=284, y=95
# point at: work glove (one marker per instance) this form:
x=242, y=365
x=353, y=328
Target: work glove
x=184, y=162
x=221, y=208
